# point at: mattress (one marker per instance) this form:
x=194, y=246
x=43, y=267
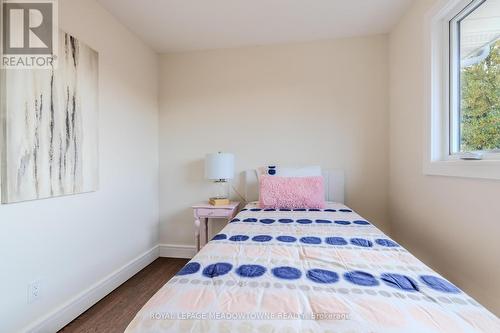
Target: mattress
x=326, y=270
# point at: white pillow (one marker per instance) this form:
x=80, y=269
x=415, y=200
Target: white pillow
x=307, y=171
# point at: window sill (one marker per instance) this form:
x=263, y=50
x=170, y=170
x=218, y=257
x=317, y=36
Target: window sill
x=483, y=169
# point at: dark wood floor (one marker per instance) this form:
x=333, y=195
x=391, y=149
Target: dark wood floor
x=115, y=311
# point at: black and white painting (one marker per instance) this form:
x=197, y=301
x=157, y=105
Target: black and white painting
x=49, y=141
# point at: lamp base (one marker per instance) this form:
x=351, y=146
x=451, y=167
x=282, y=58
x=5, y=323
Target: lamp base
x=219, y=201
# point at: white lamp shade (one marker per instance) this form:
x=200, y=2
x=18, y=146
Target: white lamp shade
x=219, y=166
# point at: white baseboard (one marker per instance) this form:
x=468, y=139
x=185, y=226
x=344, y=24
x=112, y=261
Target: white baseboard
x=177, y=251
x=64, y=314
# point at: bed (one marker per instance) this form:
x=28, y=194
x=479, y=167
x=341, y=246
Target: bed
x=308, y=270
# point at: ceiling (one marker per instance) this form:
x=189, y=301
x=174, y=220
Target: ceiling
x=181, y=25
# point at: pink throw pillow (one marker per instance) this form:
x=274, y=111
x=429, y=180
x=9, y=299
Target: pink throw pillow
x=291, y=192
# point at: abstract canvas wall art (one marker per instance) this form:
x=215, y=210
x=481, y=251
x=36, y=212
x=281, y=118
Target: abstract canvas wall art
x=49, y=133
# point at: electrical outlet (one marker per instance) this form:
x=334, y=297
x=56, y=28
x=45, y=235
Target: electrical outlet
x=34, y=291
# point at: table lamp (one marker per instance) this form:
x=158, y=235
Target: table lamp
x=219, y=168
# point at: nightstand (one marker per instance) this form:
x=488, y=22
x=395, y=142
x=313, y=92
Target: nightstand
x=203, y=212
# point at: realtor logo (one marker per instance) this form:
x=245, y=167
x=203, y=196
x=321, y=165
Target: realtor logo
x=29, y=33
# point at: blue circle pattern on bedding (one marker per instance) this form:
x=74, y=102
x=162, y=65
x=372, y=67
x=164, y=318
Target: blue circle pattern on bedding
x=190, y=268
x=361, y=242
x=340, y=241
x=301, y=221
x=323, y=276
x=219, y=237
x=251, y=270
x=218, y=269
x=310, y=240
x=287, y=273
x=336, y=241
x=439, y=284
x=361, y=278
x=286, y=239
x=262, y=238
x=331, y=210
x=239, y=238
x=386, y=242
x=399, y=281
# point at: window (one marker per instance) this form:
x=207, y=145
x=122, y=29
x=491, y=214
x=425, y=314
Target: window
x=475, y=78
x=463, y=67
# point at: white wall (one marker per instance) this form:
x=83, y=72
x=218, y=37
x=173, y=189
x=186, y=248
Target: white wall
x=451, y=224
x=72, y=242
x=320, y=103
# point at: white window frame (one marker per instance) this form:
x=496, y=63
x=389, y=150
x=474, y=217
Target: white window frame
x=438, y=159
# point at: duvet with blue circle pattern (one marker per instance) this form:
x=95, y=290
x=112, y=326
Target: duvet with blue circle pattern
x=308, y=270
